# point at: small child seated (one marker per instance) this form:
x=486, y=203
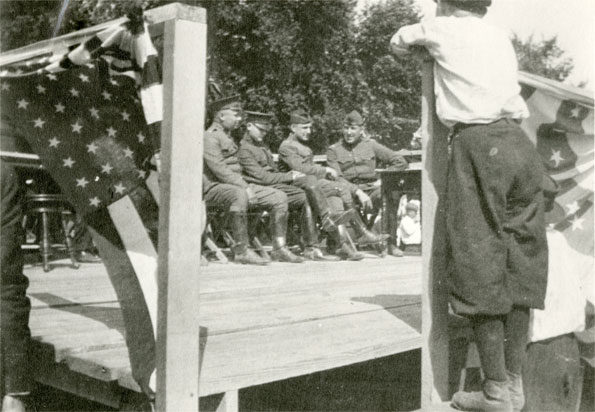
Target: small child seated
x=409, y=230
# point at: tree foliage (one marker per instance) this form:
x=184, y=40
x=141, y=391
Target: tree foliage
x=284, y=54
x=544, y=58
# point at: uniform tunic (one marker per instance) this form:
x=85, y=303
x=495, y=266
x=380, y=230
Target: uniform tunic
x=294, y=155
x=258, y=166
x=223, y=184
x=357, y=163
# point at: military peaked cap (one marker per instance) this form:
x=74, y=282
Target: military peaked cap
x=231, y=103
x=300, y=116
x=353, y=119
x=263, y=120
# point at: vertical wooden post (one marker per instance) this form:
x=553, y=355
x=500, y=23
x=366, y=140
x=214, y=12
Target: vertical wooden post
x=184, y=80
x=434, y=290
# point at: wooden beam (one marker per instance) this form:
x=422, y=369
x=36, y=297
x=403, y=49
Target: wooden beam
x=434, y=290
x=184, y=80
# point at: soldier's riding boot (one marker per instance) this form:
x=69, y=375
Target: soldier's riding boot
x=310, y=234
x=280, y=251
x=364, y=236
x=346, y=251
x=321, y=207
x=241, y=252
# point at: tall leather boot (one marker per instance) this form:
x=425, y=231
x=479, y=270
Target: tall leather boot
x=241, y=252
x=364, y=236
x=310, y=235
x=321, y=207
x=346, y=251
x=280, y=251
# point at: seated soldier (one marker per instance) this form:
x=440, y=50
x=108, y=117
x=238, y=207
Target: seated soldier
x=259, y=167
x=294, y=154
x=355, y=158
x=225, y=188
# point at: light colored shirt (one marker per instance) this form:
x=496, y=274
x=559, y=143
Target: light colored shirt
x=410, y=231
x=475, y=68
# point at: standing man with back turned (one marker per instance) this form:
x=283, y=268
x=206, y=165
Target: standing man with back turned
x=495, y=216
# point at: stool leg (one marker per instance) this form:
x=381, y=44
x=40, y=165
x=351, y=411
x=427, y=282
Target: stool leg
x=44, y=245
x=69, y=246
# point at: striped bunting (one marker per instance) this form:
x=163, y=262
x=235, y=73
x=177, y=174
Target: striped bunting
x=81, y=113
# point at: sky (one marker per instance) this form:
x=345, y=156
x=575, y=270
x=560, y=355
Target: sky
x=573, y=21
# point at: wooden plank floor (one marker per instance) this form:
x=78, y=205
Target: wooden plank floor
x=258, y=324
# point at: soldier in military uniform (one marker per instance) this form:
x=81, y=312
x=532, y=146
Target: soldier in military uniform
x=259, y=167
x=355, y=158
x=225, y=188
x=294, y=154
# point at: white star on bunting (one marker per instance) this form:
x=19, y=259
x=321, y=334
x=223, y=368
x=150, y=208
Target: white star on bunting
x=111, y=132
x=572, y=208
x=92, y=148
x=40, y=89
x=84, y=78
x=125, y=116
x=68, y=162
x=94, y=201
x=59, y=108
x=39, y=123
x=141, y=137
x=119, y=188
x=76, y=127
x=106, y=168
x=556, y=157
x=74, y=92
x=22, y=104
x=128, y=152
x=577, y=223
x=106, y=95
x=52, y=76
x=82, y=182
x=5, y=86
x=54, y=142
x=94, y=112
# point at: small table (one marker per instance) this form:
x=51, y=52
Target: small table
x=395, y=184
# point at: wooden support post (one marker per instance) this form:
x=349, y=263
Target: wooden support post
x=228, y=402
x=435, y=365
x=184, y=80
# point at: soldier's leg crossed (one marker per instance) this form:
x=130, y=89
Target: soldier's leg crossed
x=275, y=201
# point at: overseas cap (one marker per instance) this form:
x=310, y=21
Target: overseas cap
x=353, y=119
x=300, y=116
x=263, y=119
x=230, y=102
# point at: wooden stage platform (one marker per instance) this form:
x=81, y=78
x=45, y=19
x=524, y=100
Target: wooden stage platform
x=258, y=324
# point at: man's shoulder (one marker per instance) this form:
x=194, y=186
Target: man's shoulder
x=215, y=131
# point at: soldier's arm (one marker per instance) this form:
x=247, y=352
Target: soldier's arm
x=216, y=163
x=294, y=161
x=251, y=168
x=332, y=161
x=394, y=160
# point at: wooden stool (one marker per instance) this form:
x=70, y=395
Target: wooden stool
x=46, y=205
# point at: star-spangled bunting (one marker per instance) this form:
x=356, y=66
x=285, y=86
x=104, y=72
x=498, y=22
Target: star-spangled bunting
x=82, y=115
x=561, y=124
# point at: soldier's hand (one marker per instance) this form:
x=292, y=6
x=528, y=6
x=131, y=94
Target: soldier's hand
x=251, y=195
x=296, y=175
x=364, y=199
x=331, y=173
